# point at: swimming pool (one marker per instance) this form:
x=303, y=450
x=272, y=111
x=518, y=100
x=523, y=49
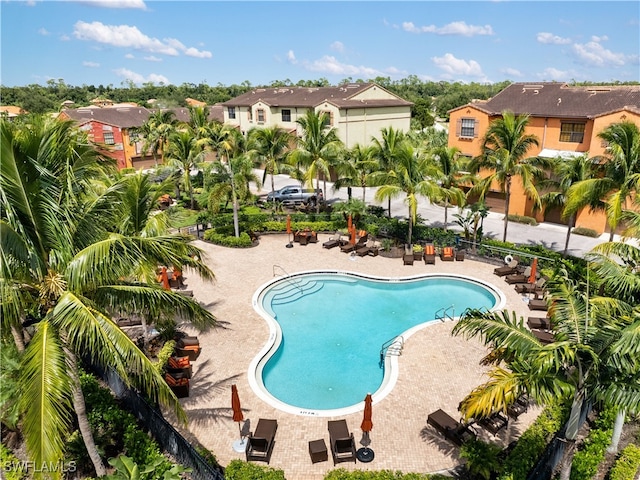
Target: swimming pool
x=327, y=330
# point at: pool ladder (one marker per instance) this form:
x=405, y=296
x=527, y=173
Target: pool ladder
x=392, y=346
x=443, y=314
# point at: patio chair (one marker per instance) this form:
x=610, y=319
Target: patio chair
x=447, y=254
x=538, y=304
x=510, y=268
x=460, y=255
x=539, y=323
x=531, y=287
x=260, y=443
x=543, y=336
x=343, y=447
x=452, y=430
x=494, y=423
x=518, y=277
x=350, y=247
x=334, y=241
x=429, y=254
x=407, y=256
x=517, y=408
x=369, y=249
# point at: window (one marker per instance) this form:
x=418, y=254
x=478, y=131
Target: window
x=250, y=115
x=232, y=113
x=572, y=132
x=286, y=115
x=108, y=138
x=260, y=115
x=329, y=115
x=467, y=128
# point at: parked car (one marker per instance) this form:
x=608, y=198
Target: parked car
x=294, y=194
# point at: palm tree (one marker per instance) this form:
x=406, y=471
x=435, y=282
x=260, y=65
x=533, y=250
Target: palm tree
x=386, y=151
x=620, y=181
x=451, y=177
x=412, y=176
x=354, y=169
x=566, y=173
x=157, y=130
x=185, y=154
x=61, y=264
x=317, y=149
x=503, y=154
x=593, y=357
x=271, y=146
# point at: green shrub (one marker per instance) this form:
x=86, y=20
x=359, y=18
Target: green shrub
x=143, y=450
x=627, y=465
x=239, y=470
x=243, y=241
x=163, y=355
x=482, y=458
x=7, y=460
x=587, y=232
x=592, y=452
x=342, y=474
x=523, y=219
x=208, y=457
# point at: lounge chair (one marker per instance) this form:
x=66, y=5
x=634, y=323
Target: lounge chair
x=343, y=447
x=407, y=256
x=453, y=430
x=531, y=287
x=350, y=247
x=518, y=277
x=447, y=254
x=494, y=423
x=260, y=443
x=538, y=304
x=334, y=241
x=539, y=323
x=429, y=254
x=459, y=255
x=543, y=336
x=369, y=249
x=520, y=406
x=510, y=268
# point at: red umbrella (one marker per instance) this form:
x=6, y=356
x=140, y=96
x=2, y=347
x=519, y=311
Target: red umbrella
x=367, y=424
x=353, y=234
x=237, y=417
x=164, y=278
x=349, y=223
x=289, y=224
x=534, y=267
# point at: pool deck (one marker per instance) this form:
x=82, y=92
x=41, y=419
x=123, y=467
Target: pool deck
x=436, y=370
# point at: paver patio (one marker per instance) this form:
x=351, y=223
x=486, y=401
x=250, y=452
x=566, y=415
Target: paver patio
x=436, y=369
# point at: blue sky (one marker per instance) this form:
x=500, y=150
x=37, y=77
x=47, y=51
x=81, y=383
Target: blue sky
x=112, y=42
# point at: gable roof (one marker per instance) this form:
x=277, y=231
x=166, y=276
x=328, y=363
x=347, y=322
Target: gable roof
x=309, y=97
x=123, y=117
x=553, y=99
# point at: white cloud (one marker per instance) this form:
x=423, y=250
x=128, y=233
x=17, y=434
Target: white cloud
x=65, y=38
x=454, y=66
x=512, y=72
x=129, y=56
x=550, y=74
x=139, y=4
x=91, y=64
x=550, y=38
x=395, y=71
x=291, y=57
x=330, y=65
x=337, y=46
x=140, y=79
x=130, y=37
x=43, y=31
x=453, y=28
x=152, y=58
x=594, y=54
x=595, y=38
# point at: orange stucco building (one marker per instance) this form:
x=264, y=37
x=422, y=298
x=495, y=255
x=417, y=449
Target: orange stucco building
x=565, y=119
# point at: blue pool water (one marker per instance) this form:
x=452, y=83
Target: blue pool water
x=333, y=327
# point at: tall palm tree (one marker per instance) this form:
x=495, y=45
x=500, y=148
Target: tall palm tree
x=185, y=153
x=385, y=151
x=317, y=149
x=565, y=174
x=160, y=125
x=412, y=176
x=271, y=146
x=620, y=180
x=60, y=263
x=452, y=177
x=504, y=151
x=354, y=169
x=593, y=358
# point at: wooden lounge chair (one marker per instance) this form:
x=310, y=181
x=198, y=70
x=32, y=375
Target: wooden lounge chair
x=429, y=254
x=459, y=255
x=407, y=256
x=518, y=277
x=509, y=269
x=539, y=323
x=369, y=249
x=335, y=241
x=494, y=423
x=538, y=304
x=260, y=443
x=343, y=447
x=350, y=247
x=543, y=336
x=531, y=287
x=452, y=430
x=520, y=406
x=447, y=254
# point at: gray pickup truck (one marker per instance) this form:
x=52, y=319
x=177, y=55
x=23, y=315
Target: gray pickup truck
x=294, y=194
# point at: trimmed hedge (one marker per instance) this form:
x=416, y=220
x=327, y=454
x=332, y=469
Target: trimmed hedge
x=627, y=465
x=243, y=241
x=240, y=470
x=523, y=219
x=342, y=474
x=587, y=232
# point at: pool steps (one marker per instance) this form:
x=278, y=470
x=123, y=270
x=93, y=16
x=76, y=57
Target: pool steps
x=294, y=290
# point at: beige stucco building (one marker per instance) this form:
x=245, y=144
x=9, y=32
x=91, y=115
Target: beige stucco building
x=357, y=110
